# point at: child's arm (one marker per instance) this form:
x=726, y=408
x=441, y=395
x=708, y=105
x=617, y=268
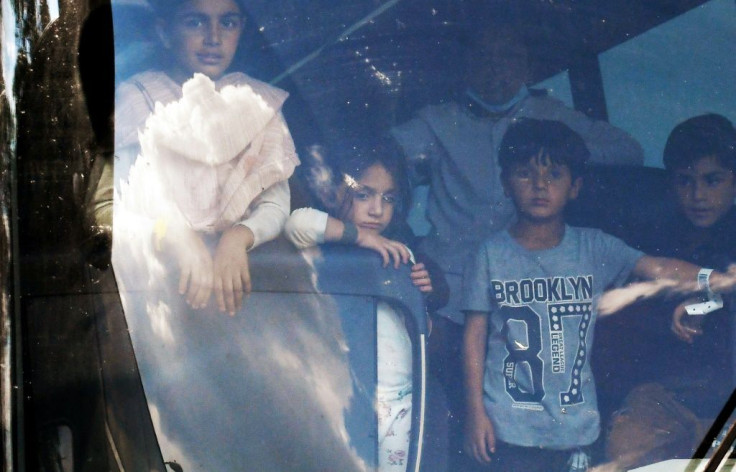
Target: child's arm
x=480, y=440
x=193, y=258
x=428, y=273
x=231, y=271
x=387, y=248
x=665, y=274
x=308, y=227
x=268, y=213
x=681, y=272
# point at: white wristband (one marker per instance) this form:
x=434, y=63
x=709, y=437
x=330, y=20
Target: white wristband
x=704, y=280
x=714, y=301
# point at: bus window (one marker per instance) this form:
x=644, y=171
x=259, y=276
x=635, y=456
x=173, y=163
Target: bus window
x=116, y=370
x=681, y=68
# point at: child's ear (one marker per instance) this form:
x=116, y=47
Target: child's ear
x=575, y=188
x=163, y=35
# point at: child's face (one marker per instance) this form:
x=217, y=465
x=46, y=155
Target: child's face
x=203, y=37
x=374, y=199
x=705, y=191
x=541, y=189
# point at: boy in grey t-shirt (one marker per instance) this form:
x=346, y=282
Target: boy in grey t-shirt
x=528, y=300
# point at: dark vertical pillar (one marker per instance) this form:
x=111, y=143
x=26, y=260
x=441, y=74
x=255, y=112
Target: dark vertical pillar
x=586, y=84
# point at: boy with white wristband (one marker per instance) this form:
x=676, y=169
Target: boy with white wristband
x=530, y=312
x=700, y=158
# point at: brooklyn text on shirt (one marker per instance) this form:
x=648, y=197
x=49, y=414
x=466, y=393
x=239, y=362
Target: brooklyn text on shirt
x=543, y=289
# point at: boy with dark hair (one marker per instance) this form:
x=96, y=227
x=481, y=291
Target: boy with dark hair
x=700, y=158
x=453, y=147
x=529, y=302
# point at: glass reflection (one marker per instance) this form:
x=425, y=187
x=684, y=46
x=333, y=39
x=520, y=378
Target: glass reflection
x=176, y=200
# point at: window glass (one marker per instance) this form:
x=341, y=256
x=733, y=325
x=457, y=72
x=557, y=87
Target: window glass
x=288, y=234
x=558, y=86
x=672, y=72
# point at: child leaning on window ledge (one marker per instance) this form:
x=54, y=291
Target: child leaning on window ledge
x=372, y=200
x=202, y=158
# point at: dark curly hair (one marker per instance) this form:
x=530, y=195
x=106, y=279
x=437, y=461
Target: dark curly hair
x=701, y=136
x=525, y=137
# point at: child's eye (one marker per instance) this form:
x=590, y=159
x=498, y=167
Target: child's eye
x=522, y=174
x=390, y=198
x=555, y=174
x=683, y=181
x=713, y=181
x=231, y=22
x=362, y=196
x=192, y=22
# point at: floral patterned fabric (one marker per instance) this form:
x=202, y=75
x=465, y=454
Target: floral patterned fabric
x=394, y=389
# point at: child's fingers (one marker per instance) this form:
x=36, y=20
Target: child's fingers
x=395, y=254
x=405, y=253
x=679, y=335
x=398, y=257
x=193, y=290
x=203, y=291
x=476, y=447
x=424, y=284
x=384, y=255
x=490, y=444
x=208, y=279
x=223, y=287
x=239, y=281
x=237, y=297
x=184, y=280
x=229, y=294
x=245, y=278
x=481, y=453
x=399, y=252
x=683, y=332
x=219, y=296
x=420, y=278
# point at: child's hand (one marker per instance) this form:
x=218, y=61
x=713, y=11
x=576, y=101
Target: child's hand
x=231, y=271
x=480, y=440
x=685, y=326
x=387, y=248
x=195, y=266
x=420, y=278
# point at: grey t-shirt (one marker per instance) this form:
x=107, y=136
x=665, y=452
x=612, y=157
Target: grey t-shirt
x=538, y=384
